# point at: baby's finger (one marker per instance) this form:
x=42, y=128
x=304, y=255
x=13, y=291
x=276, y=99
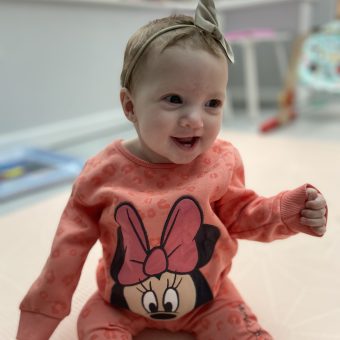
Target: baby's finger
x=313, y=222
x=309, y=213
x=319, y=230
x=318, y=203
x=312, y=194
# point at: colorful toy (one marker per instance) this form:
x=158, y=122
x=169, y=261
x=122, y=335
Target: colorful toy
x=313, y=80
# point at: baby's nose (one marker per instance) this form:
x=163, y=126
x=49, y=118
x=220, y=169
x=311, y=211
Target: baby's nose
x=192, y=120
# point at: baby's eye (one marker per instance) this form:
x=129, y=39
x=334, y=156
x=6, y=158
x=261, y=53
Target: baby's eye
x=213, y=103
x=174, y=99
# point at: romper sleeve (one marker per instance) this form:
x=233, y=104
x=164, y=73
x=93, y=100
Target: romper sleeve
x=247, y=215
x=48, y=300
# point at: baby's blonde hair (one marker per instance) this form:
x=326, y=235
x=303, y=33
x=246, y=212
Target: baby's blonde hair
x=190, y=36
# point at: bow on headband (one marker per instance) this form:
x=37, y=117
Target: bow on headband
x=205, y=19
x=177, y=252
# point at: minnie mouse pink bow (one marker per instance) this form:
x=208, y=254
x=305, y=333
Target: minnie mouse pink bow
x=177, y=252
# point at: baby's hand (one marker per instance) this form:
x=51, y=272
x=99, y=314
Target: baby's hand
x=314, y=213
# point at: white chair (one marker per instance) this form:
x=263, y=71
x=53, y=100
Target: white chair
x=248, y=40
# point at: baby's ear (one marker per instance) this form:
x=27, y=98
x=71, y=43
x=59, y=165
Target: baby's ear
x=127, y=104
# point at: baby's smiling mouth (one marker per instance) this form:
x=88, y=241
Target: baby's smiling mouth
x=186, y=142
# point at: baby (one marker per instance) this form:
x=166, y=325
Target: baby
x=167, y=206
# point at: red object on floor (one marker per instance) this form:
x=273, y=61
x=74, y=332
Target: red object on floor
x=281, y=119
x=285, y=115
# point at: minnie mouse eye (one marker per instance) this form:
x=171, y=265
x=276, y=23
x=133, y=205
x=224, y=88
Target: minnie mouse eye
x=150, y=303
x=170, y=300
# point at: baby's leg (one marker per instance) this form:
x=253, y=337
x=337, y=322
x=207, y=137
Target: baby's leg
x=100, y=321
x=227, y=318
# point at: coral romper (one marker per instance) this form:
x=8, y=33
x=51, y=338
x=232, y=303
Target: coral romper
x=169, y=233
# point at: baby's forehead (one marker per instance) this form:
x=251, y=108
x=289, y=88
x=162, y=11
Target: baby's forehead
x=182, y=69
x=178, y=58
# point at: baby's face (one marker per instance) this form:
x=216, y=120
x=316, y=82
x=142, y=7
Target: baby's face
x=177, y=104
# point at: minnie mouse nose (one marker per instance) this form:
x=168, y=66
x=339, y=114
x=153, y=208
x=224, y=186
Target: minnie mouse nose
x=156, y=262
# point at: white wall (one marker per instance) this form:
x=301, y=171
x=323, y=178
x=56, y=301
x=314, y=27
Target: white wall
x=60, y=61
